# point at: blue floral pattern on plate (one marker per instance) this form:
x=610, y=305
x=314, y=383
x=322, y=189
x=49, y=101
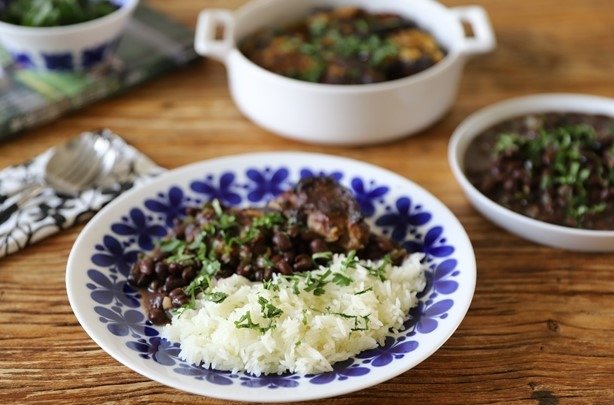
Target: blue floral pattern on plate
x=222, y=188
x=402, y=216
x=266, y=183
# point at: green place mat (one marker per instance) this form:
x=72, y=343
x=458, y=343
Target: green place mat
x=152, y=44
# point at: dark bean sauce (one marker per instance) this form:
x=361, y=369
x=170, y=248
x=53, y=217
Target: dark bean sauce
x=554, y=167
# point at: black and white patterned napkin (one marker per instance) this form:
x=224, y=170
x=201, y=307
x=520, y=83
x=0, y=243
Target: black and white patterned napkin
x=51, y=212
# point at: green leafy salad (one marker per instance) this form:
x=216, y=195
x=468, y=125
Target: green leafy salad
x=53, y=13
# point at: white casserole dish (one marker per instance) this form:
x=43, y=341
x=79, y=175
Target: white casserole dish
x=343, y=114
x=537, y=231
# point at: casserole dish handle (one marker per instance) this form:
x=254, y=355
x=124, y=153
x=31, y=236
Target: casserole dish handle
x=205, y=42
x=483, y=39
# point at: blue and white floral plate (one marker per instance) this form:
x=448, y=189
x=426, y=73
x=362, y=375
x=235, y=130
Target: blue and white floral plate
x=110, y=312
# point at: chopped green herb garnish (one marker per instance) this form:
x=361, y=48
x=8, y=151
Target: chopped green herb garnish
x=545, y=182
x=324, y=256
x=362, y=26
x=383, y=52
x=358, y=324
x=269, y=220
x=170, y=245
x=201, y=283
x=365, y=324
x=216, y=297
x=345, y=315
x=366, y=290
x=318, y=25
x=180, y=311
x=316, y=285
x=380, y=271
x=350, y=260
x=270, y=285
x=314, y=73
x=295, y=289
x=197, y=243
x=245, y=321
x=223, y=221
x=268, y=310
x=341, y=279
x=210, y=267
x=217, y=207
x=507, y=143
x=181, y=255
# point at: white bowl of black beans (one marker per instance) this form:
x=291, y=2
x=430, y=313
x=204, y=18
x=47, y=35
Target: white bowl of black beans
x=542, y=167
x=306, y=95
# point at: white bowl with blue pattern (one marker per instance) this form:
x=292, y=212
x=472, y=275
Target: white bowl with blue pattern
x=110, y=310
x=74, y=47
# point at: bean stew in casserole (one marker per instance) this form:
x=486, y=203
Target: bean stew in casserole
x=345, y=45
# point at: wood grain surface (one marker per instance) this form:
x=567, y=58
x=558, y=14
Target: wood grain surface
x=540, y=329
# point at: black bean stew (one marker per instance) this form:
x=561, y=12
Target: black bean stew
x=554, y=167
x=346, y=45
x=294, y=233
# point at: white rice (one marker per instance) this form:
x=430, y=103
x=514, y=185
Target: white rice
x=312, y=333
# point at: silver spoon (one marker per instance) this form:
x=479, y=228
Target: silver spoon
x=73, y=167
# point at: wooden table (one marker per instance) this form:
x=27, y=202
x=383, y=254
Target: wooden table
x=541, y=326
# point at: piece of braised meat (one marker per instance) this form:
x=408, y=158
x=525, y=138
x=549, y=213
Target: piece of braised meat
x=329, y=211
